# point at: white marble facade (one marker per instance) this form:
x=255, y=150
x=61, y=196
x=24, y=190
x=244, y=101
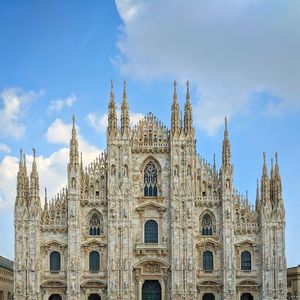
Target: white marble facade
x=149, y=219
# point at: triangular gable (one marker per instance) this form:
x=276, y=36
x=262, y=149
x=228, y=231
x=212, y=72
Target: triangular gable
x=93, y=241
x=151, y=205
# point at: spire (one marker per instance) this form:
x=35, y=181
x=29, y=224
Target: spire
x=272, y=183
x=188, y=118
x=20, y=181
x=112, y=111
x=46, y=200
x=34, y=181
x=277, y=183
x=73, y=156
x=257, y=202
x=124, y=111
x=264, y=182
x=175, y=119
x=226, y=153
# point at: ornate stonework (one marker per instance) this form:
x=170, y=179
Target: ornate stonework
x=149, y=218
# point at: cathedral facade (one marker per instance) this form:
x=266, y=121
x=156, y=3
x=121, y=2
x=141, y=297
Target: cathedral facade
x=149, y=219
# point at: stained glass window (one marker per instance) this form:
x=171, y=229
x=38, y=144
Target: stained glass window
x=207, y=225
x=150, y=180
x=95, y=225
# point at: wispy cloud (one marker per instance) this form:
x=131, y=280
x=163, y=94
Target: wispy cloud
x=228, y=51
x=4, y=148
x=14, y=102
x=58, y=104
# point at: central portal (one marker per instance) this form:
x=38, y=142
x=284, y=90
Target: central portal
x=151, y=290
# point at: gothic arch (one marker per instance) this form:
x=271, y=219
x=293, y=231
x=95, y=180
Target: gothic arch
x=151, y=177
x=207, y=222
x=94, y=222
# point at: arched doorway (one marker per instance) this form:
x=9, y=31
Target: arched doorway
x=208, y=296
x=55, y=297
x=151, y=290
x=246, y=296
x=94, y=297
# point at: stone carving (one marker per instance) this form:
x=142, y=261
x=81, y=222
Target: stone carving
x=151, y=268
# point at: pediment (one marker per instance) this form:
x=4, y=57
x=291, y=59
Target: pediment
x=153, y=261
x=246, y=242
x=93, y=242
x=93, y=283
x=248, y=282
x=54, y=284
x=209, y=283
x=151, y=206
x=208, y=242
x=55, y=244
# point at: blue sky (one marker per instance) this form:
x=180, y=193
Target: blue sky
x=241, y=57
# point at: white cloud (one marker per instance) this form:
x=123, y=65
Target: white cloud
x=52, y=169
x=99, y=122
x=14, y=102
x=59, y=132
x=58, y=104
x=4, y=148
x=228, y=50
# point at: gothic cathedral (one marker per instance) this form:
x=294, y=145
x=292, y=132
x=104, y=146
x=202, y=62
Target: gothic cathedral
x=149, y=219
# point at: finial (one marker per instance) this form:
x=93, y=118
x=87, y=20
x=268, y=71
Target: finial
x=111, y=86
x=188, y=97
x=276, y=158
x=175, y=92
x=73, y=118
x=33, y=152
x=264, y=157
x=225, y=122
x=21, y=154
x=124, y=89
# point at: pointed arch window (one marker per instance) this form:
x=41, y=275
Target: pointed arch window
x=150, y=180
x=246, y=261
x=207, y=225
x=95, y=224
x=208, y=261
x=54, y=261
x=94, y=261
x=151, y=232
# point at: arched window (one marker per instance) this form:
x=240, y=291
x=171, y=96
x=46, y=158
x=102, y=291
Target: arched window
x=246, y=261
x=95, y=224
x=150, y=180
x=151, y=232
x=208, y=261
x=94, y=261
x=207, y=225
x=54, y=261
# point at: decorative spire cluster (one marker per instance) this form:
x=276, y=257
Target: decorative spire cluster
x=271, y=191
x=176, y=118
x=27, y=189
